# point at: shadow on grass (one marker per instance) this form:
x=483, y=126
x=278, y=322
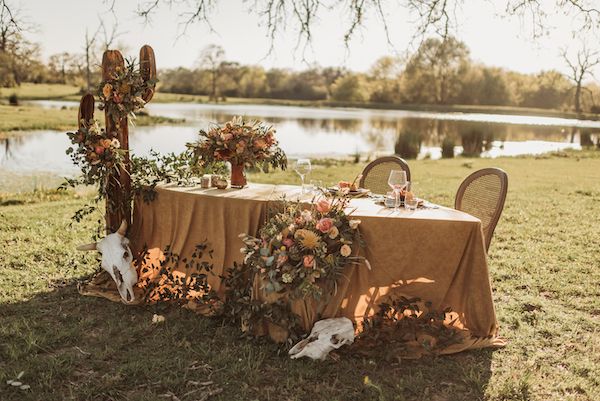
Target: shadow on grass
x=81, y=348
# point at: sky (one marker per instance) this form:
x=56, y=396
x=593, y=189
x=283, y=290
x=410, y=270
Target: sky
x=493, y=40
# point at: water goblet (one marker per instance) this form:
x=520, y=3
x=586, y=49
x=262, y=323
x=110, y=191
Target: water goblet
x=302, y=167
x=397, y=181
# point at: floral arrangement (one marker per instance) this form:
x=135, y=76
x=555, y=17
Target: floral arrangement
x=95, y=152
x=122, y=94
x=304, y=248
x=248, y=143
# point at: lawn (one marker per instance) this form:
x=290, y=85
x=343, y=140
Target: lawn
x=16, y=119
x=30, y=91
x=544, y=265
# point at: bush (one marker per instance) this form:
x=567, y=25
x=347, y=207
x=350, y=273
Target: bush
x=408, y=145
x=13, y=100
x=472, y=142
x=448, y=148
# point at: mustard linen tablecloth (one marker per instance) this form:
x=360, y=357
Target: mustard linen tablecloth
x=437, y=255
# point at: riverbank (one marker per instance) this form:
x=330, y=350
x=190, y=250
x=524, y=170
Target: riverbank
x=15, y=120
x=543, y=273
x=28, y=91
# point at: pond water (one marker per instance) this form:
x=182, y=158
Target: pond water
x=324, y=132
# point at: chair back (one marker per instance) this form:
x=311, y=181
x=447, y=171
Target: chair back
x=482, y=194
x=375, y=175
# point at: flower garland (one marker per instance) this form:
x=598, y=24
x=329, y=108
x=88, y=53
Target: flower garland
x=241, y=142
x=122, y=94
x=304, y=248
x=95, y=152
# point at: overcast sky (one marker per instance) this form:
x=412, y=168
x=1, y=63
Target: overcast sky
x=493, y=40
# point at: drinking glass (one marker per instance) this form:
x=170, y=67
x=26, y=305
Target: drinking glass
x=410, y=199
x=302, y=168
x=397, y=181
x=316, y=186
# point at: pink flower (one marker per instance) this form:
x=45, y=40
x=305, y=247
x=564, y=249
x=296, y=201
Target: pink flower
x=323, y=206
x=227, y=137
x=117, y=97
x=309, y=261
x=288, y=242
x=260, y=143
x=324, y=225
x=281, y=259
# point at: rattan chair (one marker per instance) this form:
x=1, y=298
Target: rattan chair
x=375, y=175
x=482, y=194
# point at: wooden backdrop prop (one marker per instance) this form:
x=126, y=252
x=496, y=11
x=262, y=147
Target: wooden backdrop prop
x=118, y=200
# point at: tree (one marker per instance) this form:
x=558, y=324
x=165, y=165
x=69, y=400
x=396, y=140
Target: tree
x=385, y=75
x=351, y=88
x=433, y=74
x=253, y=82
x=211, y=58
x=580, y=66
x=437, y=17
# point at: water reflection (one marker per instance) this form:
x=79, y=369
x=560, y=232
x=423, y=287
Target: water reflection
x=319, y=132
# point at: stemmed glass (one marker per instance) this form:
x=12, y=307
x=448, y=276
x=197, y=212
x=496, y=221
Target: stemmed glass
x=303, y=168
x=397, y=181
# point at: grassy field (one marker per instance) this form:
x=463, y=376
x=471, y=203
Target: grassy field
x=544, y=265
x=29, y=91
x=14, y=120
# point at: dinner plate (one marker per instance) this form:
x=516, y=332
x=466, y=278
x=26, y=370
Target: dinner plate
x=357, y=193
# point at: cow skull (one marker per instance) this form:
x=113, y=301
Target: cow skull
x=326, y=335
x=116, y=260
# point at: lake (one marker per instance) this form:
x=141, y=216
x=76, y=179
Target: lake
x=324, y=132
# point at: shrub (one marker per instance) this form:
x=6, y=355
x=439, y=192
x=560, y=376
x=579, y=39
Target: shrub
x=13, y=100
x=408, y=145
x=448, y=148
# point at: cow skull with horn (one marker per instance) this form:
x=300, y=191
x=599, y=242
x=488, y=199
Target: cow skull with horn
x=116, y=260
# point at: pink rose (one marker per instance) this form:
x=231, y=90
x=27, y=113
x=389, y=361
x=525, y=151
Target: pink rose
x=324, y=225
x=288, y=242
x=323, y=206
x=309, y=261
x=227, y=137
x=260, y=144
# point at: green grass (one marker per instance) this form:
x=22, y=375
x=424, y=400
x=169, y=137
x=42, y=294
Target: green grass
x=30, y=91
x=16, y=119
x=544, y=266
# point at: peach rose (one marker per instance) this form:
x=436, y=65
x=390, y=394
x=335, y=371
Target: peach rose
x=288, y=242
x=323, y=206
x=107, y=90
x=345, y=250
x=334, y=232
x=324, y=225
x=309, y=261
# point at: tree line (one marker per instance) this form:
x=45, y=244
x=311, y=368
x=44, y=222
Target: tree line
x=440, y=72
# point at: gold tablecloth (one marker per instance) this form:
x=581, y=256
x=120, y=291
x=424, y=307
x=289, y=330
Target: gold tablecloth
x=437, y=255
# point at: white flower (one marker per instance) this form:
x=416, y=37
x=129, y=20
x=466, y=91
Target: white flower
x=333, y=233
x=345, y=250
x=287, y=278
x=354, y=224
x=115, y=143
x=306, y=216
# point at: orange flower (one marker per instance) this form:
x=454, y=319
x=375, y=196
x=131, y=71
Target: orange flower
x=107, y=90
x=323, y=206
x=309, y=261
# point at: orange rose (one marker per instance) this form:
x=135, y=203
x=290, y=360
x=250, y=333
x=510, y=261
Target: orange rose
x=309, y=261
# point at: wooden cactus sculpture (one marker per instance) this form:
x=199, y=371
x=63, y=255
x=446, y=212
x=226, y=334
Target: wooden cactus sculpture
x=118, y=198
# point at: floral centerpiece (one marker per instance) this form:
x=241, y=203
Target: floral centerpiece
x=303, y=249
x=243, y=143
x=122, y=94
x=96, y=153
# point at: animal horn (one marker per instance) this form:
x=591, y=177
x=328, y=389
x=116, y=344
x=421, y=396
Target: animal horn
x=87, y=247
x=122, y=228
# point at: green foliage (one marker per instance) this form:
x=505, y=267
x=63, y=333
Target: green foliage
x=350, y=88
x=13, y=100
x=448, y=148
x=408, y=144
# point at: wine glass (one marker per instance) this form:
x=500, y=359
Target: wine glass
x=397, y=181
x=302, y=167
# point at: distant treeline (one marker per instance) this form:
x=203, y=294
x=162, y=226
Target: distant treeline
x=437, y=73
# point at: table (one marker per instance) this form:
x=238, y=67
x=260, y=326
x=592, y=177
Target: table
x=437, y=255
